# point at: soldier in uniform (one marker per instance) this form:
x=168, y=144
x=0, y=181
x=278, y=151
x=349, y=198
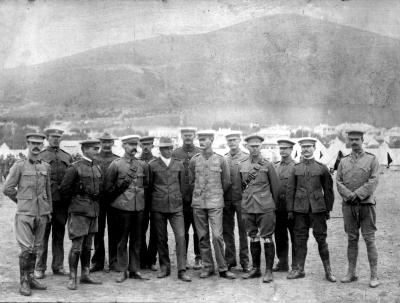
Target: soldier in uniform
x=166, y=174
x=309, y=202
x=210, y=177
x=104, y=159
x=357, y=179
x=233, y=199
x=82, y=186
x=283, y=225
x=148, y=253
x=126, y=180
x=28, y=185
x=59, y=161
x=185, y=153
x=260, y=191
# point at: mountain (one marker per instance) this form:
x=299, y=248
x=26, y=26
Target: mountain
x=286, y=69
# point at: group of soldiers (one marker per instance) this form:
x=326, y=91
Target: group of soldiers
x=188, y=186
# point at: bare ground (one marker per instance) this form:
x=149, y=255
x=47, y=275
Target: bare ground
x=313, y=288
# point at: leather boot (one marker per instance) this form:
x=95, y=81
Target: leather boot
x=328, y=271
x=34, y=284
x=374, y=282
x=85, y=269
x=73, y=259
x=255, y=250
x=25, y=288
x=122, y=276
x=269, y=250
x=352, y=253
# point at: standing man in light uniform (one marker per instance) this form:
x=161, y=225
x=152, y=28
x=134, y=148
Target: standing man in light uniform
x=209, y=174
x=28, y=184
x=283, y=224
x=233, y=200
x=357, y=179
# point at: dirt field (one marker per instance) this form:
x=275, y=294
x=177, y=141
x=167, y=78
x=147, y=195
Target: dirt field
x=313, y=288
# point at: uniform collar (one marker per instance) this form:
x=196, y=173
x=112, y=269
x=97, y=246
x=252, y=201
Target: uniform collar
x=34, y=161
x=129, y=157
x=357, y=155
x=256, y=159
x=234, y=154
x=286, y=160
x=309, y=160
x=146, y=156
x=188, y=148
x=207, y=154
x=54, y=148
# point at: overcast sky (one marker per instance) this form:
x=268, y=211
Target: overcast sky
x=39, y=31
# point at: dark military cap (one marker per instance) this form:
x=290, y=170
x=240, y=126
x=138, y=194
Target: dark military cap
x=355, y=133
x=206, y=133
x=165, y=142
x=307, y=141
x=233, y=135
x=254, y=140
x=90, y=142
x=35, y=137
x=188, y=130
x=130, y=139
x=54, y=132
x=146, y=139
x=285, y=143
x=107, y=136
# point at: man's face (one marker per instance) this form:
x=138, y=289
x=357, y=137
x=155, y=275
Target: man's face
x=285, y=151
x=254, y=149
x=205, y=142
x=187, y=138
x=166, y=152
x=130, y=148
x=34, y=147
x=146, y=147
x=307, y=150
x=233, y=143
x=54, y=141
x=356, y=143
x=92, y=151
x=106, y=145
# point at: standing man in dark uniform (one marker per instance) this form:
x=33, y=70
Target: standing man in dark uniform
x=210, y=178
x=28, y=185
x=309, y=202
x=357, y=179
x=185, y=153
x=104, y=159
x=233, y=200
x=126, y=180
x=148, y=253
x=283, y=225
x=166, y=174
x=260, y=191
x=59, y=161
x=82, y=186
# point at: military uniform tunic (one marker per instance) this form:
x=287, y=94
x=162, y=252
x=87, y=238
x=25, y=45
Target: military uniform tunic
x=28, y=184
x=210, y=176
x=358, y=173
x=258, y=199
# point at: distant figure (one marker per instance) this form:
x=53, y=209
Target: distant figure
x=8, y=163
